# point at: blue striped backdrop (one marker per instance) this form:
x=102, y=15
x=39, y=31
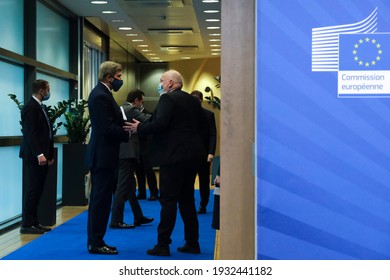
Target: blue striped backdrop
x=322, y=162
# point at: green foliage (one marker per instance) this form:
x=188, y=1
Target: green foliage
x=54, y=112
x=14, y=99
x=77, y=123
x=218, y=79
x=216, y=102
x=18, y=103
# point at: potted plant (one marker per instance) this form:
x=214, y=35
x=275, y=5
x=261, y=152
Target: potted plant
x=77, y=126
x=77, y=122
x=214, y=100
x=54, y=112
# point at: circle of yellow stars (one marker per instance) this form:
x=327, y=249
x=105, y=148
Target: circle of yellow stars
x=367, y=63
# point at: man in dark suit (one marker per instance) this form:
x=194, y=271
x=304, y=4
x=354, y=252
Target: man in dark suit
x=209, y=138
x=128, y=159
x=145, y=172
x=108, y=130
x=175, y=145
x=37, y=151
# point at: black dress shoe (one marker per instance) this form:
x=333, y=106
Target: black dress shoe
x=153, y=198
x=202, y=210
x=121, y=225
x=46, y=229
x=143, y=220
x=31, y=230
x=103, y=250
x=159, y=250
x=110, y=247
x=190, y=248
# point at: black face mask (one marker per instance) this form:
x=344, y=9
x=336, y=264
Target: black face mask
x=116, y=84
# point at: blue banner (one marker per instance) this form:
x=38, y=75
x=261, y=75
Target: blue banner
x=322, y=162
x=364, y=52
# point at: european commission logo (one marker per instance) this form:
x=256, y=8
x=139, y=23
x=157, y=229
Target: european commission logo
x=359, y=54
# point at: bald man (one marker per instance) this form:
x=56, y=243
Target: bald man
x=175, y=145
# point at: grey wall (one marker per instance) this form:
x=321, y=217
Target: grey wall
x=149, y=78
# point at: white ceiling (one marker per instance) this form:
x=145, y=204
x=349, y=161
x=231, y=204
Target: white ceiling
x=171, y=29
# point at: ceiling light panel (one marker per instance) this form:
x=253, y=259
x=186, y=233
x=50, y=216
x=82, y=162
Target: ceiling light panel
x=171, y=31
x=154, y=3
x=99, y=2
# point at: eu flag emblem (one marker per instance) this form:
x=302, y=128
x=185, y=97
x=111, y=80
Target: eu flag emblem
x=365, y=51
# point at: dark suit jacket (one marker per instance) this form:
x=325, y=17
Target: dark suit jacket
x=36, y=131
x=209, y=136
x=106, y=129
x=131, y=149
x=174, y=129
x=144, y=140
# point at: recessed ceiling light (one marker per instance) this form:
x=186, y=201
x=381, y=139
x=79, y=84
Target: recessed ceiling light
x=213, y=20
x=215, y=53
x=99, y=2
x=215, y=45
x=137, y=40
x=210, y=1
x=215, y=50
x=125, y=28
x=151, y=54
x=211, y=11
x=154, y=58
x=143, y=46
x=109, y=12
x=118, y=20
x=213, y=27
x=131, y=34
x=215, y=34
x=215, y=40
x=186, y=57
x=145, y=50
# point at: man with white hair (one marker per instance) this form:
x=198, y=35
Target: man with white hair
x=102, y=157
x=175, y=145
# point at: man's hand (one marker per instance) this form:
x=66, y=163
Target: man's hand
x=127, y=126
x=133, y=126
x=217, y=180
x=42, y=160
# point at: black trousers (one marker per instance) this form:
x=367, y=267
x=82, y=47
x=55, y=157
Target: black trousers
x=177, y=189
x=126, y=191
x=204, y=182
x=100, y=204
x=36, y=177
x=145, y=172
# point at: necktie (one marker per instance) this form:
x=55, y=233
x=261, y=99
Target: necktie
x=47, y=120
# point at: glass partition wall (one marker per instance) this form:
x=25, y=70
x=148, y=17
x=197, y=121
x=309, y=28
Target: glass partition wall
x=35, y=45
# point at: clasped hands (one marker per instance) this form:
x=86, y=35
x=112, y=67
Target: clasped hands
x=131, y=126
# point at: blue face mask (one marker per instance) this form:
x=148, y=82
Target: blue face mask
x=160, y=90
x=116, y=84
x=46, y=97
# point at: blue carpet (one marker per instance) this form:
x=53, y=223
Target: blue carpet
x=68, y=241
